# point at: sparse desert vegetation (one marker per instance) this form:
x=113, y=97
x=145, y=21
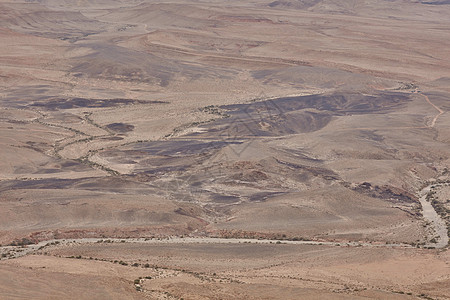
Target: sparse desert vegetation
x=224, y=149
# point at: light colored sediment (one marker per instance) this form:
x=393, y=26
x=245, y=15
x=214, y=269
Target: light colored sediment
x=438, y=225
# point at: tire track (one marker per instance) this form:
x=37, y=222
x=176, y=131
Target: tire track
x=440, y=111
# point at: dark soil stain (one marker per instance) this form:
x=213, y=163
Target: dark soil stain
x=291, y=115
x=441, y=2
x=107, y=184
x=68, y=103
x=120, y=127
x=178, y=147
x=385, y=192
x=112, y=138
x=224, y=199
x=259, y=197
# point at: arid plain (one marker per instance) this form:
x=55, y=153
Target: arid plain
x=224, y=149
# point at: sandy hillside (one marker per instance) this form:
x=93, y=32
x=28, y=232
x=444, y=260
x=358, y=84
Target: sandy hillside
x=285, y=149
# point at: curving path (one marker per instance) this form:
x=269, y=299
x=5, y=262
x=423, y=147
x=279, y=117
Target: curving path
x=440, y=111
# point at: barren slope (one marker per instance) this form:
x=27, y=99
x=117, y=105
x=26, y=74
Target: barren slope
x=320, y=121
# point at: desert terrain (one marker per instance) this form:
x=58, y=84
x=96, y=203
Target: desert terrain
x=291, y=149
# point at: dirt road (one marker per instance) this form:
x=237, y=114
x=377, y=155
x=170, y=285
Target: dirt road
x=440, y=111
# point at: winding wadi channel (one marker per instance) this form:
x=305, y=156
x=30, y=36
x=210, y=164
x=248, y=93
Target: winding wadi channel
x=430, y=215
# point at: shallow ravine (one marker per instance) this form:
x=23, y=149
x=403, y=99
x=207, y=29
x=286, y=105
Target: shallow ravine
x=430, y=215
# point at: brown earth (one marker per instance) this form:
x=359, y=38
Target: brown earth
x=294, y=120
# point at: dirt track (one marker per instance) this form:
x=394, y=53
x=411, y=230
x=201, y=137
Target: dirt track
x=440, y=111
